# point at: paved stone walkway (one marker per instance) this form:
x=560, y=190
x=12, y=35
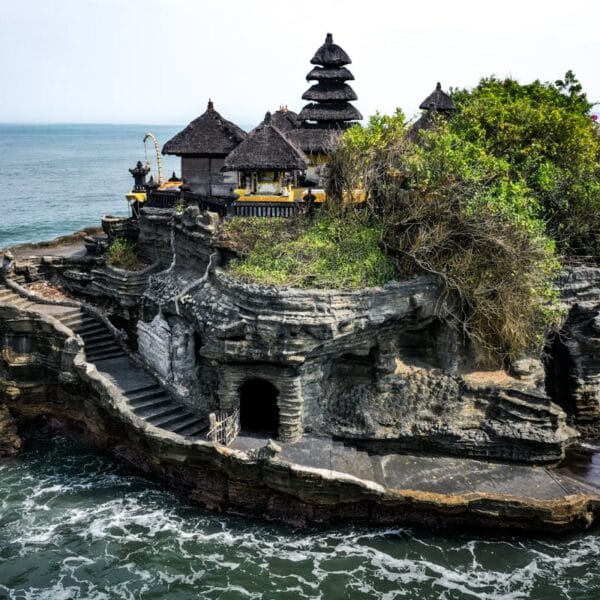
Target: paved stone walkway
x=71, y=250
x=440, y=474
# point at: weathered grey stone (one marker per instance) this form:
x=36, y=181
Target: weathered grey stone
x=573, y=366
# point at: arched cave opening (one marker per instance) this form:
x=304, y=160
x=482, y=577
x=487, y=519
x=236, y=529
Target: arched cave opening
x=259, y=412
x=560, y=379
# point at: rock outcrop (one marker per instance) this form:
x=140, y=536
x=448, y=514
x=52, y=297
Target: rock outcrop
x=378, y=366
x=43, y=377
x=573, y=369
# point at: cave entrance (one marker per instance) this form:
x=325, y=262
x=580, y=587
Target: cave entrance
x=259, y=412
x=560, y=381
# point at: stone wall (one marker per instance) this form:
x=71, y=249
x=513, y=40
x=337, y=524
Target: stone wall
x=154, y=239
x=203, y=175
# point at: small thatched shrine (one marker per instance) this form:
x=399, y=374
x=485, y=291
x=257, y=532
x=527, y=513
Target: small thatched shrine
x=203, y=146
x=267, y=162
x=437, y=103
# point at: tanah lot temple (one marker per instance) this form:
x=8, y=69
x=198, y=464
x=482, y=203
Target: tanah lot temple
x=304, y=405
x=280, y=166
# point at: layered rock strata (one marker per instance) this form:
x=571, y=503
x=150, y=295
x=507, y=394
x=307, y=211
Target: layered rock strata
x=43, y=374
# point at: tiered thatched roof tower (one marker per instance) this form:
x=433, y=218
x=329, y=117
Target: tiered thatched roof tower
x=330, y=110
x=331, y=95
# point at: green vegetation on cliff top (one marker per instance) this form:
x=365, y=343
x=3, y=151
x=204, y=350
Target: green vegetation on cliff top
x=323, y=252
x=487, y=201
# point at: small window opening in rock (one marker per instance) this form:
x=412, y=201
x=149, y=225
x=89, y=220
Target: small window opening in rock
x=259, y=412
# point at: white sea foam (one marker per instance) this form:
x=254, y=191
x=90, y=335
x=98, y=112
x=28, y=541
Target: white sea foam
x=89, y=531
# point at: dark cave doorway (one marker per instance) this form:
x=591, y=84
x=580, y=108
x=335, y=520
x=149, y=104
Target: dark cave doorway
x=259, y=412
x=560, y=380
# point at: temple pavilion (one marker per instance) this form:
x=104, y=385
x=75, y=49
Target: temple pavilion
x=203, y=146
x=267, y=164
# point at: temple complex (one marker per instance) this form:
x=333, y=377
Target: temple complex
x=284, y=162
x=374, y=397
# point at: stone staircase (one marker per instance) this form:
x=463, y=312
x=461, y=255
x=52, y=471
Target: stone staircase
x=146, y=397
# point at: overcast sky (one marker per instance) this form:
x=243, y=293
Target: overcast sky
x=158, y=61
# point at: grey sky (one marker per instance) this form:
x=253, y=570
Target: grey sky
x=158, y=61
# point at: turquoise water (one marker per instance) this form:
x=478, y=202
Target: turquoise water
x=56, y=179
x=75, y=524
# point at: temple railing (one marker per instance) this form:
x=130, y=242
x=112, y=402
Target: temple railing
x=224, y=427
x=265, y=209
x=211, y=203
x=162, y=198
x=228, y=207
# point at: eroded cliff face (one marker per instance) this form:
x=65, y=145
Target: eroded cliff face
x=43, y=377
x=379, y=366
x=573, y=367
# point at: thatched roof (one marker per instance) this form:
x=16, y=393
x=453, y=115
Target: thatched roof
x=438, y=100
x=266, y=148
x=330, y=54
x=315, y=140
x=284, y=119
x=330, y=74
x=329, y=91
x=209, y=134
x=339, y=111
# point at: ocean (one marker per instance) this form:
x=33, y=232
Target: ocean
x=75, y=524
x=57, y=179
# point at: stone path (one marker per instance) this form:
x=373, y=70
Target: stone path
x=145, y=395
x=438, y=474
x=73, y=249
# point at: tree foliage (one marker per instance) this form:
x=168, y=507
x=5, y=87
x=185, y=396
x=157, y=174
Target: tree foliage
x=449, y=207
x=545, y=134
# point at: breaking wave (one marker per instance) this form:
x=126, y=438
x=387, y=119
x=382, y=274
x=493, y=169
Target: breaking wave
x=76, y=525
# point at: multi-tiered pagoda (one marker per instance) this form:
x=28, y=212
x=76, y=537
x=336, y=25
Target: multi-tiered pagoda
x=330, y=110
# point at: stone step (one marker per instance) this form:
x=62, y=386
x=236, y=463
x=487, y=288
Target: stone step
x=160, y=412
x=73, y=312
x=71, y=320
x=165, y=422
x=92, y=333
x=156, y=402
x=146, y=401
x=195, y=432
x=182, y=426
x=88, y=325
x=142, y=391
x=112, y=353
x=97, y=337
x=100, y=345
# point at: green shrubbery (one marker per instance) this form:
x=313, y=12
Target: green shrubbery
x=487, y=201
x=122, y=254
x=545, y=135
x=323, y=252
